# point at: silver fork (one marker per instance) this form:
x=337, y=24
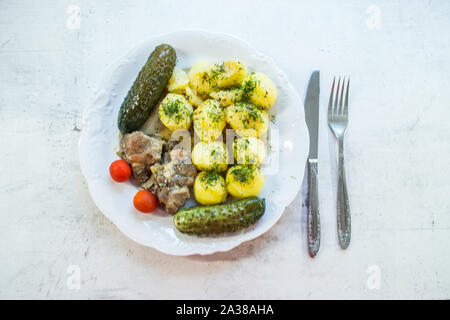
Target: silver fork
x=337, y=121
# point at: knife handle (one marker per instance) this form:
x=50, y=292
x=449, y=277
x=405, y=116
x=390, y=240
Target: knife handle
x=343, y=206
x=312, y=203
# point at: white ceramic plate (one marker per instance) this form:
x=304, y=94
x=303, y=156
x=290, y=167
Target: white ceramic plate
x=100, y=137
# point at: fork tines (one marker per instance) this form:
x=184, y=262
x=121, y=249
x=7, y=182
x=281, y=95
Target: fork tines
x=338, y=110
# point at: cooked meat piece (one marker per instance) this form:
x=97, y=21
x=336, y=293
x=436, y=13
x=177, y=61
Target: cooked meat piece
x=170, y=181
x=183, y=167
x=137, y=147
x=173, y=197
x=176, y=198
x=141, y=151
x=140, y=172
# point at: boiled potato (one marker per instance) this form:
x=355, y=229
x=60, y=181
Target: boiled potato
x=247, y=120
x=209, y=188
x=231, y=74
x=249, y=150
x=178, y=81
x=259, y=89
x=175, y=112
x=203, y=77
x=244, y=181
x=210, y=156
x=209, y=120
x=193, y=97
x=227, y=97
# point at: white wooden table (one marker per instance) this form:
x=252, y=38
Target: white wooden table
x=397, y=152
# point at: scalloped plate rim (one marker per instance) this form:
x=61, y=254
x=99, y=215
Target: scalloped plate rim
x=105, y=82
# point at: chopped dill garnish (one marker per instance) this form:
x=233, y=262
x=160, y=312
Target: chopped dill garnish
x=211, y=76
x=218, y=70
x=243, y=174
x=176, y=110
x=250, y=113
x=210, y=178
x=273, y=117
x=254, y=114
x=237, y=145
x=248, y=87
x=246, y=143
x=215, y=113
x=172, y=108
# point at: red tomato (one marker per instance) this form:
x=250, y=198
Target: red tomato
x=120, y=170
x=145, y=201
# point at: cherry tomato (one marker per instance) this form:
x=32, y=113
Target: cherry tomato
x=145, y=201
x=120, y=170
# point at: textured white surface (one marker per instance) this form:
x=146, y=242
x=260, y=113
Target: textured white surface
x=397, y=152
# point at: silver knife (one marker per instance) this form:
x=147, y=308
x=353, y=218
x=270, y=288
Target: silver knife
x=312, y=197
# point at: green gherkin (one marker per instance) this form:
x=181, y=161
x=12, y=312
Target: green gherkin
x=146, y=90
x=221, y=218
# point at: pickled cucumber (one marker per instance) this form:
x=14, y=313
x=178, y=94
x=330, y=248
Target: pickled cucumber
x=146, y=90
x=229, y=217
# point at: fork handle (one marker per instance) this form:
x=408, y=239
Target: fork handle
x=312, y=203
x=343, y=206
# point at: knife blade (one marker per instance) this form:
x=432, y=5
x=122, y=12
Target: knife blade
x=312, y=197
